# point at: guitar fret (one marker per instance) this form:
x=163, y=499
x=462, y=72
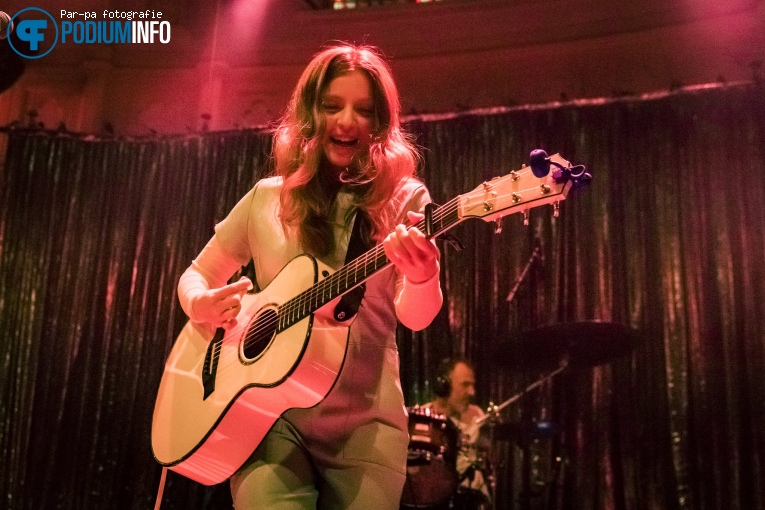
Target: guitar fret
x=355, y=272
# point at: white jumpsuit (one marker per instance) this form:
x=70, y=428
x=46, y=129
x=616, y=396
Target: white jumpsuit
x=350, y=450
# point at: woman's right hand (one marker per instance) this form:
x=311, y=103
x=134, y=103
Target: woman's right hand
x=220, y=306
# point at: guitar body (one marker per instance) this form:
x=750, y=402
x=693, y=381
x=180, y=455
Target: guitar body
x=206, y=426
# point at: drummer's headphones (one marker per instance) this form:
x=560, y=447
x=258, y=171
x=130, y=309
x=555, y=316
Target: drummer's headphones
x=443, y=385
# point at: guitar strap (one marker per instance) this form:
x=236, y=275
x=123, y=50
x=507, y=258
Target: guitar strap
x=350, y=302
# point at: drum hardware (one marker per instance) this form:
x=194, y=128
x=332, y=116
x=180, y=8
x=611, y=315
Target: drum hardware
x=469, y=473
x=497, y=430
x=431, y=474
x=417, y=457
x=432, y=480
x=492, y=413
x=551, y=348
x=425, y=446
x=584, y=344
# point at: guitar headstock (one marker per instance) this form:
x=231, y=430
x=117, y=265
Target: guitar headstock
x=521, y=190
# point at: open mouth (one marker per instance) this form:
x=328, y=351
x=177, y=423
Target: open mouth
x=344, y=142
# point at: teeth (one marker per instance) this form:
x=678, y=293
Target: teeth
x=344, y=142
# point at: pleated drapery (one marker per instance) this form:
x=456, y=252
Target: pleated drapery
x=667, y=241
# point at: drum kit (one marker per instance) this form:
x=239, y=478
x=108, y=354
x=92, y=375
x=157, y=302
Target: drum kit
x=442, y=463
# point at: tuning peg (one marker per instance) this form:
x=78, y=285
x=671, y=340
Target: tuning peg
x=539, y=163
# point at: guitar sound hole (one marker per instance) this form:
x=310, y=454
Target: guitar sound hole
x=260, y=331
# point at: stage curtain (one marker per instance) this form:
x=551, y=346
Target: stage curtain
x=666, y=242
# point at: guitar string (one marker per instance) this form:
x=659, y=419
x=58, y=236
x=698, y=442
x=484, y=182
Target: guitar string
x=313, y=294
x=252, y=333
x=297, y=303
x=309, y=295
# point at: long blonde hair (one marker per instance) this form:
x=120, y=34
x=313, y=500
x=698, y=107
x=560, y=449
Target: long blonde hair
x=297, y=150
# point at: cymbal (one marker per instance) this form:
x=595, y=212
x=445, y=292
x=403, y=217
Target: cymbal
x=586, y=343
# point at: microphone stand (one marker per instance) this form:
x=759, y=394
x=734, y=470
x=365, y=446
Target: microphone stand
x=535, y=255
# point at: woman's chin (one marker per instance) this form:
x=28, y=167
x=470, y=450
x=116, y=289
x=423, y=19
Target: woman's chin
x=341, y=160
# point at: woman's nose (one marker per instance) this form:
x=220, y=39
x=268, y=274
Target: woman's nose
x=346, y=117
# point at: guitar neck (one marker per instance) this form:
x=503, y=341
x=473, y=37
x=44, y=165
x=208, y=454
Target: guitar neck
x=357, y=271
x=517, y=191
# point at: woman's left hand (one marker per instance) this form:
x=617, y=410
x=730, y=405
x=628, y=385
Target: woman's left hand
x=412, y=253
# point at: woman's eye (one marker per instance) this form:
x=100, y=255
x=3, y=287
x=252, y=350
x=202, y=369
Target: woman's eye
x=366, y=112
x=330, y=107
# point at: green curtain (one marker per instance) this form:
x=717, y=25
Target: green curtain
x=667, y=240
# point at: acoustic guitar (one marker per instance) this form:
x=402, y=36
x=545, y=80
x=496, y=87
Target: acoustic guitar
x=222, y=390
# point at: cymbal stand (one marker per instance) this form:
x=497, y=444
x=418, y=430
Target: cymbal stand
x=495, y=410
x=491, y=416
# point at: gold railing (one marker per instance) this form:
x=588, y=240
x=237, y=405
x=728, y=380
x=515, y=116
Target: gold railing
x=361, y=4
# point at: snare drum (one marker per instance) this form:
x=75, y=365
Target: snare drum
x=431, y=475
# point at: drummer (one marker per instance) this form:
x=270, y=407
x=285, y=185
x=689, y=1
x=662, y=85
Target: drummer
x=455, y=391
